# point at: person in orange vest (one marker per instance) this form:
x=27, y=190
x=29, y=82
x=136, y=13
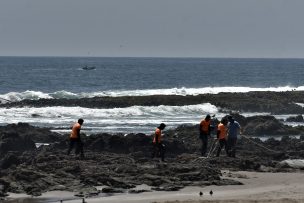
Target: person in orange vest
x=158, y=146
x=75, y=138
x=204, y=130
x=222, y=136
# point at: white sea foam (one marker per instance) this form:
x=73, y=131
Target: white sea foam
x=294, y=163
x=300, y=104
x=18, y=96
x=33, y=95
x=130, y=119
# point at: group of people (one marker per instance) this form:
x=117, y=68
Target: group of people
x=227, y=133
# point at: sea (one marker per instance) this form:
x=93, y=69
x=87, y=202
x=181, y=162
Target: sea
x=85, y=77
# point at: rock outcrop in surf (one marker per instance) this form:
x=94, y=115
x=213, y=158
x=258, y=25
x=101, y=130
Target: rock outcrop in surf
x=271, y=102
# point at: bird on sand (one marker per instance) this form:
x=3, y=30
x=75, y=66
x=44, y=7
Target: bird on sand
x=200, y=193
x=211, y=192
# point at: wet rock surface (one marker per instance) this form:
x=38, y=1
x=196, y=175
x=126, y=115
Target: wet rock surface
x=122, y=162
x=24, y=130
x=298, y=118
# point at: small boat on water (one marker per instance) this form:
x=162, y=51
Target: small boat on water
x=88, y=68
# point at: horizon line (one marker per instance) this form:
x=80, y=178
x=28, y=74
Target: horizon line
x=193, y=57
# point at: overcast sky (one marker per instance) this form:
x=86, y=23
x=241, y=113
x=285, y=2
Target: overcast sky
x=165, y=28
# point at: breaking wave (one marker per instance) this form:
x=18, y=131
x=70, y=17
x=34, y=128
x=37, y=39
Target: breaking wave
x=35, y=95
x=130, y=119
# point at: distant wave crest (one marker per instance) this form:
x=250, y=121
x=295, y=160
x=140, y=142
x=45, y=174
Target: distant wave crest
x=35, y=95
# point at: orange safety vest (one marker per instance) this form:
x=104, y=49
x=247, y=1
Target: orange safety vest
x=223, y=131
x=75, y=130
x=205, y=126
x=157, y=136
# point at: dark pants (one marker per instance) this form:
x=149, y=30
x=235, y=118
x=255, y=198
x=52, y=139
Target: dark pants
x=231, y=146
x=222, y=143
x=158, y=150
x=204, y=138
x=79, y=146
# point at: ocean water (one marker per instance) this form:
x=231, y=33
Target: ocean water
x=62, y=77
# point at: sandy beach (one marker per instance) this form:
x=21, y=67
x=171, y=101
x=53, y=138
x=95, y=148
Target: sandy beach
x=258, y=188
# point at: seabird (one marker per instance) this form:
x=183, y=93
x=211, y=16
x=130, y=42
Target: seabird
x=200, y=193
x=211, y=192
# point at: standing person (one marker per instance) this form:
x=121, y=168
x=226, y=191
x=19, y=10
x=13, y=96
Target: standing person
x=222, y=136
x=234, y=129
x=75, y=138
x=158, y=146
x=205, y=129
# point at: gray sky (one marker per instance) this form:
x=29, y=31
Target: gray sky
x=165, y=28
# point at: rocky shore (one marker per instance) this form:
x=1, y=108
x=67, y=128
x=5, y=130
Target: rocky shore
x=119, y=162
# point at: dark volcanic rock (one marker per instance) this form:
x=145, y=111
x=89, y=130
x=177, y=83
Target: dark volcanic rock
x=272, y=102
x=3, y=187
x=96, y=143
x=8, y=160
x=268, y=125
x=12, y=141
x=122, y=162
x=42, y=135
x=111, y=190
x=298, y=118
x=119, y=143
x=264, y=125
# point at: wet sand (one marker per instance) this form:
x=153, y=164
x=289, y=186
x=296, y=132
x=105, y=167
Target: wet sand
x=258, y=188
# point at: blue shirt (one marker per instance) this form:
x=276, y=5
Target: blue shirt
x=233, y=129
